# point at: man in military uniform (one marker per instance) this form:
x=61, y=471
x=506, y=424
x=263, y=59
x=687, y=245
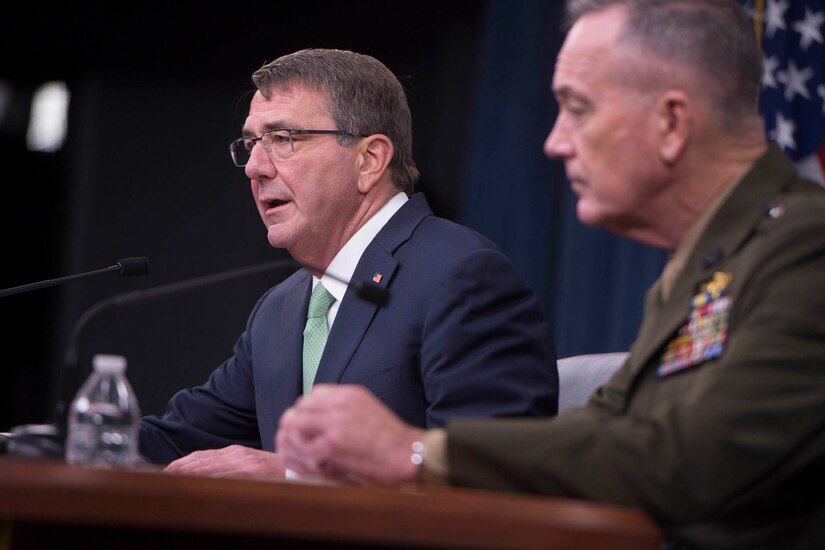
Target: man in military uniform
x=715, y=425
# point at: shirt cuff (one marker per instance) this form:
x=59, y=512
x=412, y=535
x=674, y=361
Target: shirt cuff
x=435, y=468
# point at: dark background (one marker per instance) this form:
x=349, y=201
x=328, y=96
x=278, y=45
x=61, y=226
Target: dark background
x=156, y=96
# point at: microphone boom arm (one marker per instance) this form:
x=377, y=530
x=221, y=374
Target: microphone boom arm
x=126, y=266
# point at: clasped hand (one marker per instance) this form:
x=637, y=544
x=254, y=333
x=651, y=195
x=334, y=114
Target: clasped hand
x=344, y=432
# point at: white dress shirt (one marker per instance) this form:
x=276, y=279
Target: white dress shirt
x=344, y=263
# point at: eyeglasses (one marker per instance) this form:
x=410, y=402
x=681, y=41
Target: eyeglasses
x=278, y=144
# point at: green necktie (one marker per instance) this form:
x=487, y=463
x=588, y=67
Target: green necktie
x=315, y=332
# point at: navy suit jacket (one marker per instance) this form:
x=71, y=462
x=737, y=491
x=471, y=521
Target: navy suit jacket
x=461, y=336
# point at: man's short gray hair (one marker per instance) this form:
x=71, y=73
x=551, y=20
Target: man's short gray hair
x=362, y=96
x=714, y=38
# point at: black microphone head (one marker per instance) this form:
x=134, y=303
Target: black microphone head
x=134, y=266
x=373, y=294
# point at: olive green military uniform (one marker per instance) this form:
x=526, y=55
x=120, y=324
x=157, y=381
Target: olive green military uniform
x=716, y=424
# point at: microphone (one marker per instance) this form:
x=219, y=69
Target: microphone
x=48, y=439
x=142, y=295
x=41, y=439
x=371, y=293
x=125, y=266
x=44, y=439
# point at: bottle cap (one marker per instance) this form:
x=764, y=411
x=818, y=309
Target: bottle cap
x=109, y=363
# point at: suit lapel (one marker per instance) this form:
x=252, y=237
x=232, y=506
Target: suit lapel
x=355, y=315
x=280, y=368
x=661, y=320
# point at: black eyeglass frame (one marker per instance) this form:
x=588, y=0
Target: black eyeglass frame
x=237, y=144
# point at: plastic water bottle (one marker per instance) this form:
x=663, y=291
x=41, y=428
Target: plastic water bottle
x=103, y=419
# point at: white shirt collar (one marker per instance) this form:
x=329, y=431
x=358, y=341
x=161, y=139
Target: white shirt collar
x=344, y=263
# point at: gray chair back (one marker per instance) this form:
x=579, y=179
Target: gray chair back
x=580, y=375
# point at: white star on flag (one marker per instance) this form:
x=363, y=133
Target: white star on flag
x=810, y=28
x=792, y=101
x=775, y=17
x=783, y=132
x=769, y=66
x=794, y=80
x=821, y=91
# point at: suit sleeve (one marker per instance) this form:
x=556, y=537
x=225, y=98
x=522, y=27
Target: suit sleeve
x=219, y=413
x=747, y=423
x=487, y=349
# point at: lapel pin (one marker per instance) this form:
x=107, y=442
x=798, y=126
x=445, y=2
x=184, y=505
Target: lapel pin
x=776, y=210
x=712, y=257
x=377, y=278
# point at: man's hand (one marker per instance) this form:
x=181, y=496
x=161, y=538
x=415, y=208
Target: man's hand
x=344, y=432
x=231, y=461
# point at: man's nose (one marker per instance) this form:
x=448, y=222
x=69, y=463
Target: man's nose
x=259, y=164
x=557, y=145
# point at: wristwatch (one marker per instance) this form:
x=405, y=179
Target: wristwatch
x=418, y=453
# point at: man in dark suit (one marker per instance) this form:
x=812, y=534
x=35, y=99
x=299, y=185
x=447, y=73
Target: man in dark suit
x=327, y=148
x=714, y=425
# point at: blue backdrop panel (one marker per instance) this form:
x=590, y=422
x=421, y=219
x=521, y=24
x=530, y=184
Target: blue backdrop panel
x=590, y=282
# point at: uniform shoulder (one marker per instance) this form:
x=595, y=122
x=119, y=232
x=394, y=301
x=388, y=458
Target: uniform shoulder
x=799, y=207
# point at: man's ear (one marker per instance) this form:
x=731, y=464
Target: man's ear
x=674, y=123
x=375, y=154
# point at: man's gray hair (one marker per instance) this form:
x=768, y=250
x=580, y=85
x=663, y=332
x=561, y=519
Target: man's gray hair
x=362, y=96
x=714, y=38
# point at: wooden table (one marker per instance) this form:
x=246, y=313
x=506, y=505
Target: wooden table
x=48, y=504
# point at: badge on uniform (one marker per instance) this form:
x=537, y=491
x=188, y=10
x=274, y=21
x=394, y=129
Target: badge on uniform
x=703, y=336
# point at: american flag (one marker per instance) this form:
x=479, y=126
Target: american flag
x=790, y=34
